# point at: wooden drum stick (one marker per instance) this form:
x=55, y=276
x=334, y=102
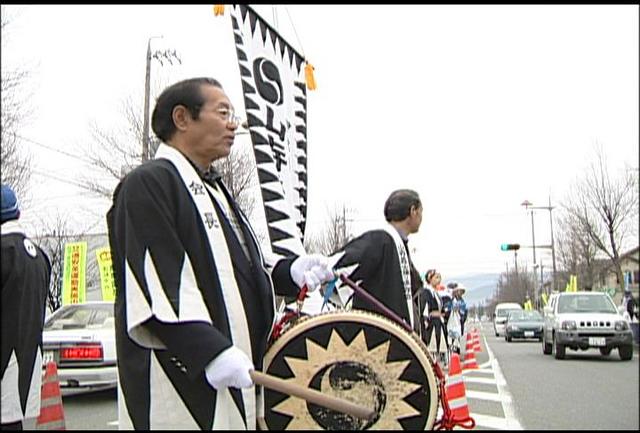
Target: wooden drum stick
x=311, y=395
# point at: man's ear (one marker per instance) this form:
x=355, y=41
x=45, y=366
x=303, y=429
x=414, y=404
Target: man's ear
x=181, y=117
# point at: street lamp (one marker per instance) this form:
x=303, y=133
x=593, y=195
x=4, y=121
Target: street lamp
x=528, y=205
x=158, y=55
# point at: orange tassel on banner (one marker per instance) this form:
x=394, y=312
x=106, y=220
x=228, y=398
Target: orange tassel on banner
x=308, y=73
x=218, y=10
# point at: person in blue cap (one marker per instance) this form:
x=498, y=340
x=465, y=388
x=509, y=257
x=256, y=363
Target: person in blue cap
x=26, y=272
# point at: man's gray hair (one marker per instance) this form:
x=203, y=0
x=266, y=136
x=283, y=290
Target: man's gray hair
x=398, y=205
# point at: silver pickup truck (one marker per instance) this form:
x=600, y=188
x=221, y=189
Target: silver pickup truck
x=583, y=320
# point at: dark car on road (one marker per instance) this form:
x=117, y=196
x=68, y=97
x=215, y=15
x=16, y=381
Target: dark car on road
x=523, y=324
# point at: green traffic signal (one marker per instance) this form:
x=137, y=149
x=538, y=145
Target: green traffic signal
x=509, y=247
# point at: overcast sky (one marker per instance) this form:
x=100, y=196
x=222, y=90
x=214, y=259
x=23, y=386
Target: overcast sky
x=475, y=107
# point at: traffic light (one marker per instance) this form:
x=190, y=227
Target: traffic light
x=509, y=247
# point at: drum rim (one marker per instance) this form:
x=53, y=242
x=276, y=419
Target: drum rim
x=371, y=318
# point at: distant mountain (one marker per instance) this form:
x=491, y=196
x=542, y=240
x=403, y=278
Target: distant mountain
x=479, y=286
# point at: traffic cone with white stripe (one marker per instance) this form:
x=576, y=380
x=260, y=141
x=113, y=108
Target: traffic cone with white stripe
x=455, y=392
x=470, y=343
x=476, y=342
x=51, y=411
x=470, y=362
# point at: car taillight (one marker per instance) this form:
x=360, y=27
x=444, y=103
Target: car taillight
x=88, y=352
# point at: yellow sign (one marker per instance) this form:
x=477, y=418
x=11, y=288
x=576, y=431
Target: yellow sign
x=73, y=278
x=572, y=285
x=106, y=274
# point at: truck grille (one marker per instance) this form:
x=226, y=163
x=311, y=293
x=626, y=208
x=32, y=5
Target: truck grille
x=595, y=324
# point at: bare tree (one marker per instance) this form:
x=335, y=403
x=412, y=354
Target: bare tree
x=239, y=174
x=513, y=287
x=52, y=236
x=15, y=160
x=605, y=208
x=336, y=234
x=114, y=152
x=576, y=251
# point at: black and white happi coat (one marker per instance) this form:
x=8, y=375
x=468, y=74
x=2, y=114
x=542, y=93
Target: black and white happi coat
x=379, y=262
x=26, y=272
x=187, y=288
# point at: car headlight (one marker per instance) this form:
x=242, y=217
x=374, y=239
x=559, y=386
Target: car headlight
x=622, y=325
x=513, y=327
x=569, y=325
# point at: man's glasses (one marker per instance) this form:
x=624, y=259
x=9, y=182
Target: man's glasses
x=230, y=116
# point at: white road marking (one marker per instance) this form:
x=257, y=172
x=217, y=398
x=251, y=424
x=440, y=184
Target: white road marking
x=493, y=422
x=479, y=395
x=113, y=422
x=480, y=370
x=483, y=380
x=507, y=400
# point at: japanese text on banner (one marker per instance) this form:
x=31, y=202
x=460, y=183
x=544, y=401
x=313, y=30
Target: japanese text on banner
x=106, y=274
x=73, y=279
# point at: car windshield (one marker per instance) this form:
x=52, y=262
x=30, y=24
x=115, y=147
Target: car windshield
x=81, y=316
x=505, y=313
x=525, y=316
x=585, y=304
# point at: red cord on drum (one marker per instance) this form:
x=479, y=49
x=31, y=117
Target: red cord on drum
x=278, y=328
x=447, y=422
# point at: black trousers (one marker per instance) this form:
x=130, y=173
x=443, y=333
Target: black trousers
x=436, y=325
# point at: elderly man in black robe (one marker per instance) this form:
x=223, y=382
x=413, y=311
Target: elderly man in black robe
x=195, y=295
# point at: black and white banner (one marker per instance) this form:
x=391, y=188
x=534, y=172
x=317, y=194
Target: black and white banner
x=275, y=98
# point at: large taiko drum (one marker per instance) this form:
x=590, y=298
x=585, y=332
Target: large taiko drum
x=354, y=355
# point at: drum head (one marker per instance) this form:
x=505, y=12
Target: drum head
x=358, y=356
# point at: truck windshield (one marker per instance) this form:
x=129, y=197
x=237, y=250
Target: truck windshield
x=585, y=304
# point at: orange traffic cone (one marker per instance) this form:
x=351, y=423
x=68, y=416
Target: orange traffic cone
x=470, y=345
x=51, y=411
x=455, y=392
x=470, y=361
x=476, y=343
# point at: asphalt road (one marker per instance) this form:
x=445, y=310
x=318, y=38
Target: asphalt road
x=584, y=391
x=91, y=411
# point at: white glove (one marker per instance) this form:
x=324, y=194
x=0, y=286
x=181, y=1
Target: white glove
x=312, y=270
x=230, y=369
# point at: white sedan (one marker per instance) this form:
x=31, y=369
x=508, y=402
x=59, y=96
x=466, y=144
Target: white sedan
x=80, y=339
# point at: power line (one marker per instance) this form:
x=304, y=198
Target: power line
x=69, y=236
x=70, y=182
x=62, y=152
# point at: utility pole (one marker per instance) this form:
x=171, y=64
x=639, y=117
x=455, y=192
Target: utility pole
x=541, y=277
x=528, y=205
x=344, y=223
x=158, y=55
x=553, y=250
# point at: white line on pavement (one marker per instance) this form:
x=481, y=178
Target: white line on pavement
x=479, y=395
x=485, y=364
x=494, y=422
x=481, y=371
x=507, y=402
x=484, y=380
